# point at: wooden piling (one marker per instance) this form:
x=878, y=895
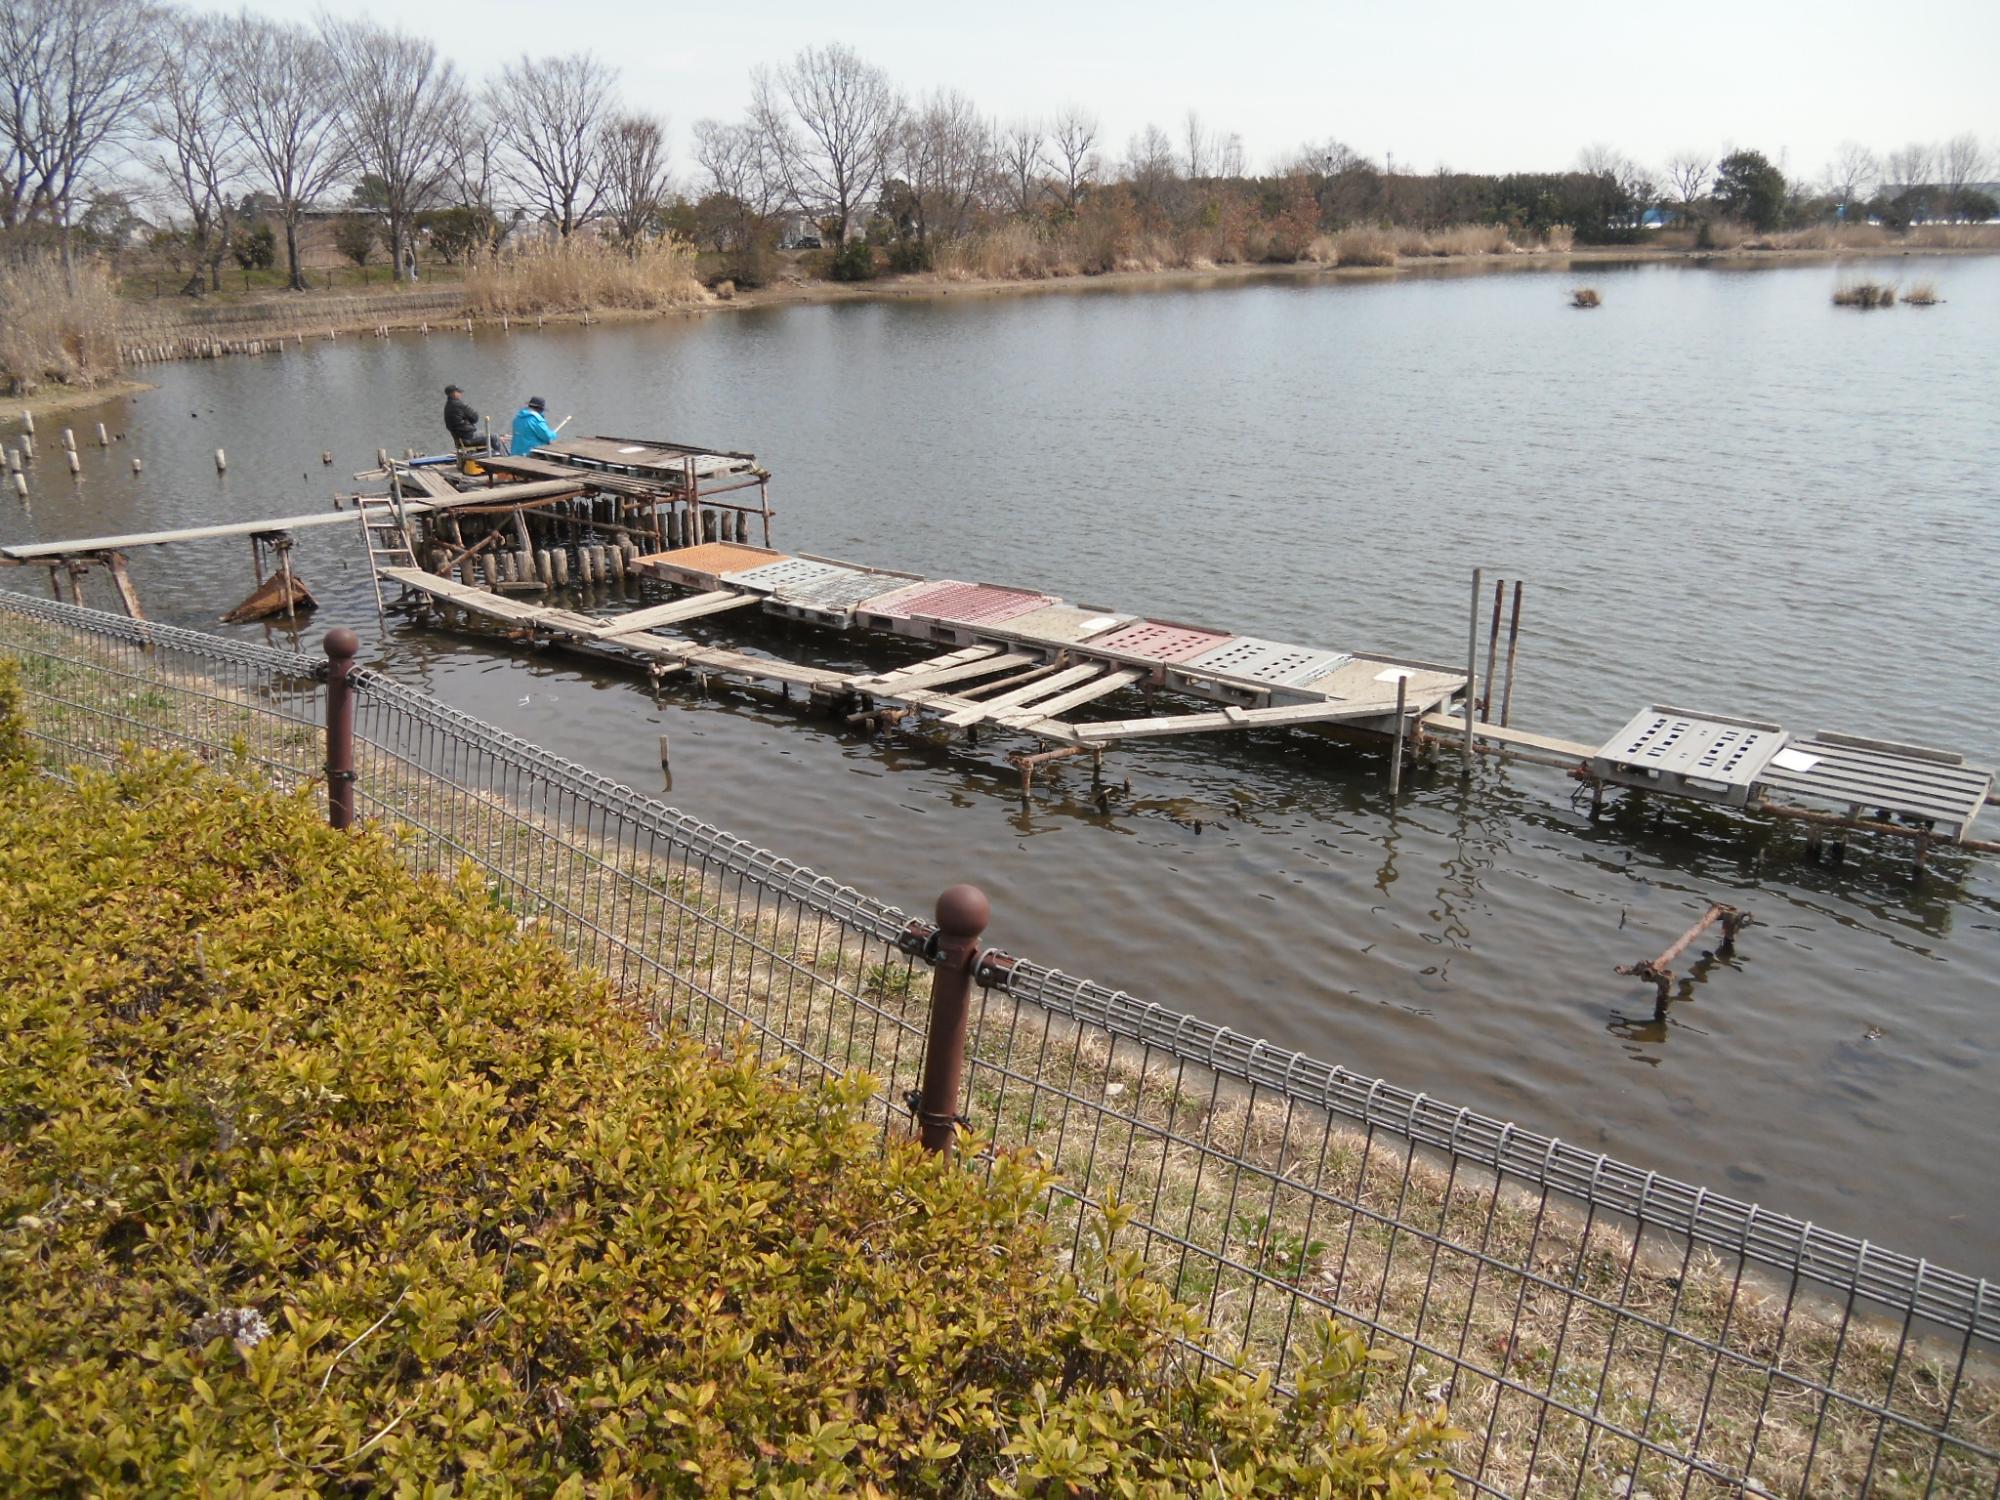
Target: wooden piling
x=545, y=569
x=28, y=422
x=221, y=461
x=137, y=465
x=1472, y=668
x=1396, y=755
x=1493, y=650
x=28, y=446
x=559, y=560
x=20, y=484
x=75, y=463
x=1513, y=642
x=13, y=460
x=103, y=437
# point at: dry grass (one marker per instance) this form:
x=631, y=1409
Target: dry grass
x=1865, y=294
x=579, y=275
x=1923, y=294
x=53, y=332
x=1585, y=296
x=1578, y=1358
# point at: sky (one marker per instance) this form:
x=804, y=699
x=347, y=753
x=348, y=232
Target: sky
x=1470, y=86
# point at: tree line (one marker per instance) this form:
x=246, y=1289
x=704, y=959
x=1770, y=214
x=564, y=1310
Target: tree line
x=223, y=120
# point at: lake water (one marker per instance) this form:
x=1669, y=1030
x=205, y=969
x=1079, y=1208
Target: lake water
x=1722, y=492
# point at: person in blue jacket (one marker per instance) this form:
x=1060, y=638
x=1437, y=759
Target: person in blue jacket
x=531, y=427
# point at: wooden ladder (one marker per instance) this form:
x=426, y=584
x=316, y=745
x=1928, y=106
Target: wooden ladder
x=385, y=533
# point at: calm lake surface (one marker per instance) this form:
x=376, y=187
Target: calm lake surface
x=1722, y=492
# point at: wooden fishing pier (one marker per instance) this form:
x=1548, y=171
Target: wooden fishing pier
x=499, y=539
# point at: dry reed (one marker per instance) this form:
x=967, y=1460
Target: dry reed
x=1585, y=296
x=577, y=275
x=56, y=329
x=1865, y=294
x=1923, y=294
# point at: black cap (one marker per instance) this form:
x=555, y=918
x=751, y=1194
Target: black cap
x=452, y=390
x=535, y=403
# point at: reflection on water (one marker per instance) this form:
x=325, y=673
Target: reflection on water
x=1721, y=492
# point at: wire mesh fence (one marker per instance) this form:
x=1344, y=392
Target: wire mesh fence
x=1595, y=1329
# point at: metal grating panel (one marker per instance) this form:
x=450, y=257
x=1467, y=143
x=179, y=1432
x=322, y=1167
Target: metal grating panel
x=857, y=586
x=1908, y=781
x=973, y=603
x=1275, y=662
x=1159, y=640
x=1064, y=624
x=782, y=577
x=1699, y=756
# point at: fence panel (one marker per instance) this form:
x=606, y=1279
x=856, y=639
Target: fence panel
x=1597, y=1329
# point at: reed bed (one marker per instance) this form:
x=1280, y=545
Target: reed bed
x=57, y=329
x=577, y=276
x=1923, y=294
x=1585, y=296
x=1865, y=294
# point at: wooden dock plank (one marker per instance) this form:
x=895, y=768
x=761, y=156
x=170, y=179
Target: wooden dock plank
x=985, y=709
x=1454, y=724
x=672, y=613
x=1028, y=718
x=984, y=666
x=1232, y=718
x=26, y=551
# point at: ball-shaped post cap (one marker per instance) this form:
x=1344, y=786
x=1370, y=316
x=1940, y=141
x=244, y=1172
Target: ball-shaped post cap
x=963, y=911
x=340, y=641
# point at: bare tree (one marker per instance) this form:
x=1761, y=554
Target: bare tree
x=637, y=178
x=745, y=187
x=550, y=114
x=1023, y=148
x=73, y=74
x=1687, y=178
x=1075, y=138
x=282, y=89
x=1150, y=171
x=196, y=147
x=1908, y=168
x=1849, y=174
x=829, y=120
x=1961, y=161
x=1198, y=148
x=399, y=100
x=471, y=175
x=946, y=155
x=1601, y=160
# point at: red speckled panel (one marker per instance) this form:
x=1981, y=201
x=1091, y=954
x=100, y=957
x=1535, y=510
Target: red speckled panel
x=895, y=603
x=1158, y=641
x=971, y=603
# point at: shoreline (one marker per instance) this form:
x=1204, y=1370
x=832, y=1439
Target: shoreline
x=322, y=316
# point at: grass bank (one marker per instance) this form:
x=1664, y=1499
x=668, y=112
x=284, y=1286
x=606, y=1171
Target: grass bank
x=317, y=1174
x=1536, y=1322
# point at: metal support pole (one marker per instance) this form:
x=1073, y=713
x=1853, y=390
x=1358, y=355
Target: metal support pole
x=962, y=914
x=1396, y=755
x=341, y=644
x=1472, y=668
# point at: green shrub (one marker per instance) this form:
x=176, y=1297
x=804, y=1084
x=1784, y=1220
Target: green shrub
x=318, y=1175
x=14, y=752
x=853, y=261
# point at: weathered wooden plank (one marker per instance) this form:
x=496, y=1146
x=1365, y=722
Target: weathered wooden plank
x=984, y=666
x=1028, y=718
x=79, y=546
x=672, y=613
x=1455, y=724
x=984, y=709
x=1233, y=718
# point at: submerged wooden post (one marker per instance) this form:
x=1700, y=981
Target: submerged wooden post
x=962, y=915
x=103, y=438
x=1472, y=668
x=128, y=595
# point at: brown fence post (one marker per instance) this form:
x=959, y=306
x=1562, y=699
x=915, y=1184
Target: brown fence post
x=341, y=644
x=962, y=914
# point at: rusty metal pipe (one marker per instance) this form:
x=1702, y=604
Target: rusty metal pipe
x=341, y=645
x=962, y=914
x=1513, y=644
x=1657, y=971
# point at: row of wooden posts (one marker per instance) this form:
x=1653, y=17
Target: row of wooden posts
x=207, y=346
x=534, y=547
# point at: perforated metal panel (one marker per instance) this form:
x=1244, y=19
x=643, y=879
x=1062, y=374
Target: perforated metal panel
x=1158, y=640
x=1064, y=624
x=854, y=587
x=1696, y=755
x=1276, y=662
x=973, y=603
x=778, y=577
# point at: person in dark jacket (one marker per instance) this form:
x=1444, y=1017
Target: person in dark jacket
x=460, y=419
